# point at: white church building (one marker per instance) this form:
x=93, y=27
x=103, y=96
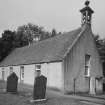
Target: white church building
x=70, y=61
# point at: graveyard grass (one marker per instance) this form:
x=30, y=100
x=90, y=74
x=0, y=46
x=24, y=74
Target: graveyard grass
x=24, y=96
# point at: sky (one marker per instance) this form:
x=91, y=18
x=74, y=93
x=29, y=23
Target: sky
x=63, y=15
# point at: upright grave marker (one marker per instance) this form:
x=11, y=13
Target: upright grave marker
x=12, y=82
x=39, y=86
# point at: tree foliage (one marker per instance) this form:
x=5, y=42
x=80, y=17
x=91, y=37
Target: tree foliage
x=27, y=34
x=100, y=44
x=6, y=43
x=23, y=36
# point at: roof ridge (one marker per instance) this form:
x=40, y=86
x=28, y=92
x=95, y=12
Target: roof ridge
x=49, y=50
x=51, y=38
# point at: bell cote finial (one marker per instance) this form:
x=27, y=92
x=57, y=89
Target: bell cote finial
x=87, y=3
x=86, y=13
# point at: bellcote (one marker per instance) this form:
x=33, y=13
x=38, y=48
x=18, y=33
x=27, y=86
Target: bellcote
x=86, y=14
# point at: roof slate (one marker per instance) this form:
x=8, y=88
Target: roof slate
x=49, y=50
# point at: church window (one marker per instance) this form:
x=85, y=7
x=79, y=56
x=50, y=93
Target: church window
x=11, y=70
x=22, y=72
x=87, y=65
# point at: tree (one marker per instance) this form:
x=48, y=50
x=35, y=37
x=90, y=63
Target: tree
x=6, y=43
x=23, y=36
x=100, y=44
x=8, y=38
x=1, y=49
x=27, y=33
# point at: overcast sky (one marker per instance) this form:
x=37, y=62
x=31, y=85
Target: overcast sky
x=62, y=15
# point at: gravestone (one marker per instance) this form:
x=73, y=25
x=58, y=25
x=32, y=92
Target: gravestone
x=12, y=81
x=39, y=87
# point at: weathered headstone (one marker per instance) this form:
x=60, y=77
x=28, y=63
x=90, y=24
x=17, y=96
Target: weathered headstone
x=12, y=82
x=39, y=87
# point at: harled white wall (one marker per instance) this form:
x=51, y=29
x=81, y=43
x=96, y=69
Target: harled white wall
x=53, y=72
x=29, y=74
x=55, y=75
x=74, y=65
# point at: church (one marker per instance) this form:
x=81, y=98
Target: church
x=70, y=61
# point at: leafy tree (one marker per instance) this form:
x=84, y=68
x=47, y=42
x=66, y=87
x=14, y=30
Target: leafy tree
x=8, y=38
x=27, y=33
x=23, y=36
x=100, y=43
x=6, y=43
x=1, y=49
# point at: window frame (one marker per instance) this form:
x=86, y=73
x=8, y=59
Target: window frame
x=87, y=65
x=21, y=73
x=37, y=68
x=11, y=70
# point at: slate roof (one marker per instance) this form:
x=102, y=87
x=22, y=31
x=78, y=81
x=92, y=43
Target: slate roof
x=49, y=50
